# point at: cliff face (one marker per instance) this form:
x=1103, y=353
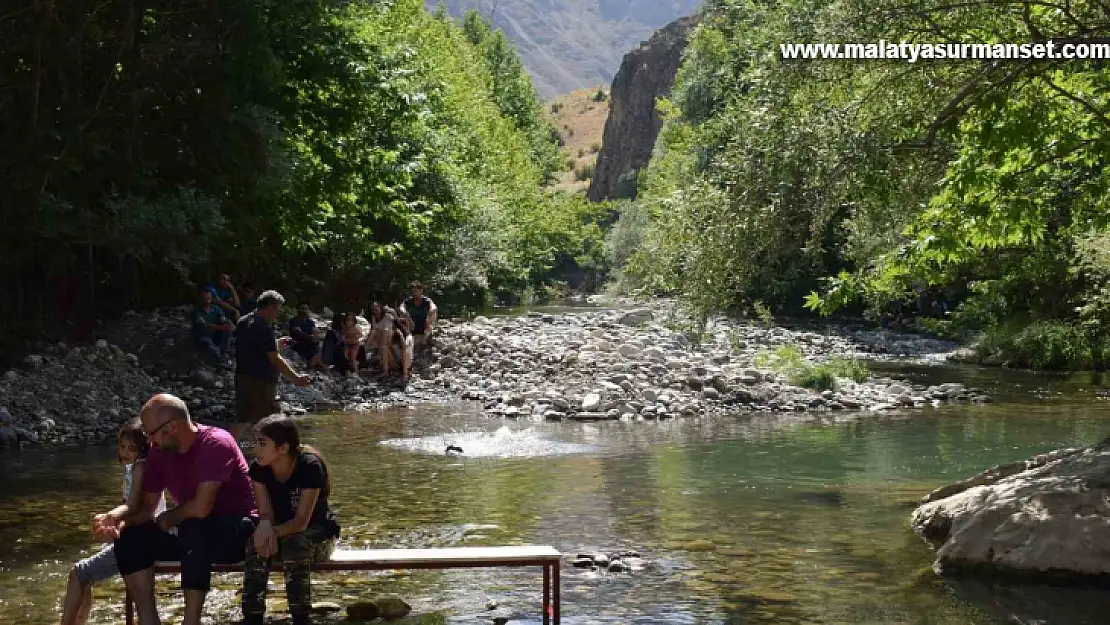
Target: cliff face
x=646, y=74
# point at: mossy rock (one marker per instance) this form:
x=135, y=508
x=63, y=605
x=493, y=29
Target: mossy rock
x=392, y=607
x=363, y=611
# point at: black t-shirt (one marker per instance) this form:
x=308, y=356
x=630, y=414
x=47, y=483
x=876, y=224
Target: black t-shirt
x=419, y=313
x=304, y=324
x=254, y=338
x=308, y=472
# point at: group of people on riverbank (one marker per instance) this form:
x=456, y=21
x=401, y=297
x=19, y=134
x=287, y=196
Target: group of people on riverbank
x=223, y=511
x=392, y=339
x=394, y=336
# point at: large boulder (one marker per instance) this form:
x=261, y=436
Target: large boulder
x=1048, y=516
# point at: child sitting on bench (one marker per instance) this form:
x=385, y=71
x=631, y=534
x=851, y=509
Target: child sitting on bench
x=291, y=487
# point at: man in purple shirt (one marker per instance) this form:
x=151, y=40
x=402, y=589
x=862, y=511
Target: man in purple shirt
x=205, y=471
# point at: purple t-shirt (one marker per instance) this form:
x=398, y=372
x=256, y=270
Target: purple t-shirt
x=214, y=456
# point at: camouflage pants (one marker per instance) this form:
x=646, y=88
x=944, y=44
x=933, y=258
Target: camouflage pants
x=297, y=553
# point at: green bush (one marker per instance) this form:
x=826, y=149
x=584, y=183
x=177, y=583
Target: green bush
x=789, y=359
x=584, y=172
x=815, y=377
x=600, y=96
x=595, y=147
x=1038, y=345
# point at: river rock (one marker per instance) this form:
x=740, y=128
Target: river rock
x=591, y=402
x=635, y=317
x=392, y=607
x=1045, y=516
x=363, y=611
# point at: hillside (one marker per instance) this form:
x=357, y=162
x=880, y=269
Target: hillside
x=574, y=44
x=580, y=118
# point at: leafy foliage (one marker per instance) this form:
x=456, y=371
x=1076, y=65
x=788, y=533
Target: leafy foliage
x=846, y=184
x=318, y=146
x=789, y=359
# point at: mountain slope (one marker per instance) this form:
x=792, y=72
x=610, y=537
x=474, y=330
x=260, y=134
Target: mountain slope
x=574, y=44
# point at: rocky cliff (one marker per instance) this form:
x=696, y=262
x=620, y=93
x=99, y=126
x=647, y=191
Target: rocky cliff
x=646, y=74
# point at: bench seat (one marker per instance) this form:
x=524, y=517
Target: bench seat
x=445, y=558
x=384, y=559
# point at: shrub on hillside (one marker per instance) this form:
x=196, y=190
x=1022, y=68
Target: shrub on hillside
x=584, y=172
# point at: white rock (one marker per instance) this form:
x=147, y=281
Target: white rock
x=591, y=401
x=1048, y=513
x=629, y=351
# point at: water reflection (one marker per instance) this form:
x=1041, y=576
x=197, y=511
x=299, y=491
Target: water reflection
x=792, y=519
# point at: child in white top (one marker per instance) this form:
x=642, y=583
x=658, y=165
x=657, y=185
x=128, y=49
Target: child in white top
x=131, y=450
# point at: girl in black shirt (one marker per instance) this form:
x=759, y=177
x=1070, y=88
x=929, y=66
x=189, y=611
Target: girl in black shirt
x=291, y=487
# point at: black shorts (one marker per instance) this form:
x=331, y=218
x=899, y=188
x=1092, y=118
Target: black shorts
x=307, y=351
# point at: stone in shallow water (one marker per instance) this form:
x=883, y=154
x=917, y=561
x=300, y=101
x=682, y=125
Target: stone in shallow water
x=1041, y=516
x=325, y=607
x=392, y=606
x=363, y=611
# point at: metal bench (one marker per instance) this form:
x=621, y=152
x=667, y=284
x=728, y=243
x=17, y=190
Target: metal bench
x=448, y=558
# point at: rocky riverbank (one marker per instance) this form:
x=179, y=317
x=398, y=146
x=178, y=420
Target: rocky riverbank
x=588, y=365
x=629, y=365
x=1045, y=517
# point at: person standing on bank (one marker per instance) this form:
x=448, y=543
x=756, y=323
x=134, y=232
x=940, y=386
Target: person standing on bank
x=423, y=312
x=258, y=363
x=206, y=473
x=297, y=525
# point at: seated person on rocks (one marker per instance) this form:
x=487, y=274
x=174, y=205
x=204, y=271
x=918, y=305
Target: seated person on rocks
x=206, y=473
x=211, y=329
x=402, y=346
x=302, y=329
x=387, y=329
x=373, y=342
x=334, y=350
x=423, y=312
x=224, y=296
x=352, y=338
x=297, y=525
x=250, y=301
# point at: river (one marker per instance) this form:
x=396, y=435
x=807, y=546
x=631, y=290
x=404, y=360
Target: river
x=799, y=519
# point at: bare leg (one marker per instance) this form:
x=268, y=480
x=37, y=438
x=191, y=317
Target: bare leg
x=386, y=351
x=406, y=361
x=194, y=606
x=141, y=586
x=78, y=601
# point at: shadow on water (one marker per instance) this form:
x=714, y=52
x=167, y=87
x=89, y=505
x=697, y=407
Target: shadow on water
x=754, y=519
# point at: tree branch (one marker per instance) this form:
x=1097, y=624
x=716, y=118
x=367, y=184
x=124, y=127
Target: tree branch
x=1080, y=101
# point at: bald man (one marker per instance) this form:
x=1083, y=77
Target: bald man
x=205, y=471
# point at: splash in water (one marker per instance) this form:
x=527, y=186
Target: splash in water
x=503, y=443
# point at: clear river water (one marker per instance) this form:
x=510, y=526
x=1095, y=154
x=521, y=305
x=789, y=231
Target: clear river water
x=752, y=519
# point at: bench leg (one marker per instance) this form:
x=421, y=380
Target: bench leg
x=129, y=614
x=547, y=594
x=555, y=591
